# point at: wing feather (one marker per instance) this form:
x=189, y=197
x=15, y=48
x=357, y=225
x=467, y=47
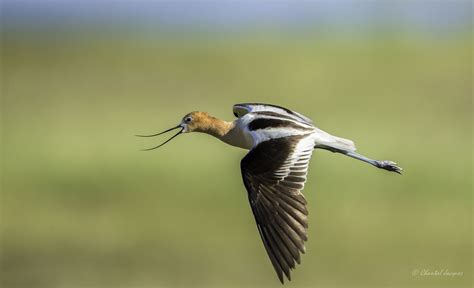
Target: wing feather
x=274, y=173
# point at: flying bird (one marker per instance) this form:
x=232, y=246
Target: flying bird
x=274, y=171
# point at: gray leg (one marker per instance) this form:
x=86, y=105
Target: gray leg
x=384, y=164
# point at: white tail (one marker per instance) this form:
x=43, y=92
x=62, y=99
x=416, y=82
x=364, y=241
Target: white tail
x=327, y=141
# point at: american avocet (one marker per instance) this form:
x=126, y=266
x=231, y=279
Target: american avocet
x=274, y=172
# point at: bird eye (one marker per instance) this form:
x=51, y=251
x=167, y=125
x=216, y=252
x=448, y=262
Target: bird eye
x=188, y=119
x=235, y=114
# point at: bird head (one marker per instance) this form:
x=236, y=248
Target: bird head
x=196, y=122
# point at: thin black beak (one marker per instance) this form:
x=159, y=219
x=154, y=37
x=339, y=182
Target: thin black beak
x=153, y=135
x=180, y=131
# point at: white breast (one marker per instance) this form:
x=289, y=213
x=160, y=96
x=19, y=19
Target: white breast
x=240, y=136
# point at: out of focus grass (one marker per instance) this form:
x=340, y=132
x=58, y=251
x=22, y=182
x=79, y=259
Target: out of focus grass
x=83, y=207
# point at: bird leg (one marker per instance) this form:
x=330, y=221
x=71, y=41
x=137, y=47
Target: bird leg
x=382, y=164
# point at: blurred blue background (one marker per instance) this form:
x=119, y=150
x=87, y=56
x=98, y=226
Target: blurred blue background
x=83, y=207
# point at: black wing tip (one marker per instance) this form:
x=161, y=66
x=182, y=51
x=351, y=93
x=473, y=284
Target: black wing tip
x=287, y=276
x=280, y=277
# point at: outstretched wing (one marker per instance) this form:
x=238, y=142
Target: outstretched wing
x=274, y=173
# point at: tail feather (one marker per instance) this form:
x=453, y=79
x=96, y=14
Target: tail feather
x=327, y=141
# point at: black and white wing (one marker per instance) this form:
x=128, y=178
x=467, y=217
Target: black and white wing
x=274, y=173
x=244, y=108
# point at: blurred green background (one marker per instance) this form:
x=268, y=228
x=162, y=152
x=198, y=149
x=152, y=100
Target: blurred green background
x=81, y=206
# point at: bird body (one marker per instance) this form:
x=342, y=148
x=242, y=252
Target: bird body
x=274, y=171
x=260, y=125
